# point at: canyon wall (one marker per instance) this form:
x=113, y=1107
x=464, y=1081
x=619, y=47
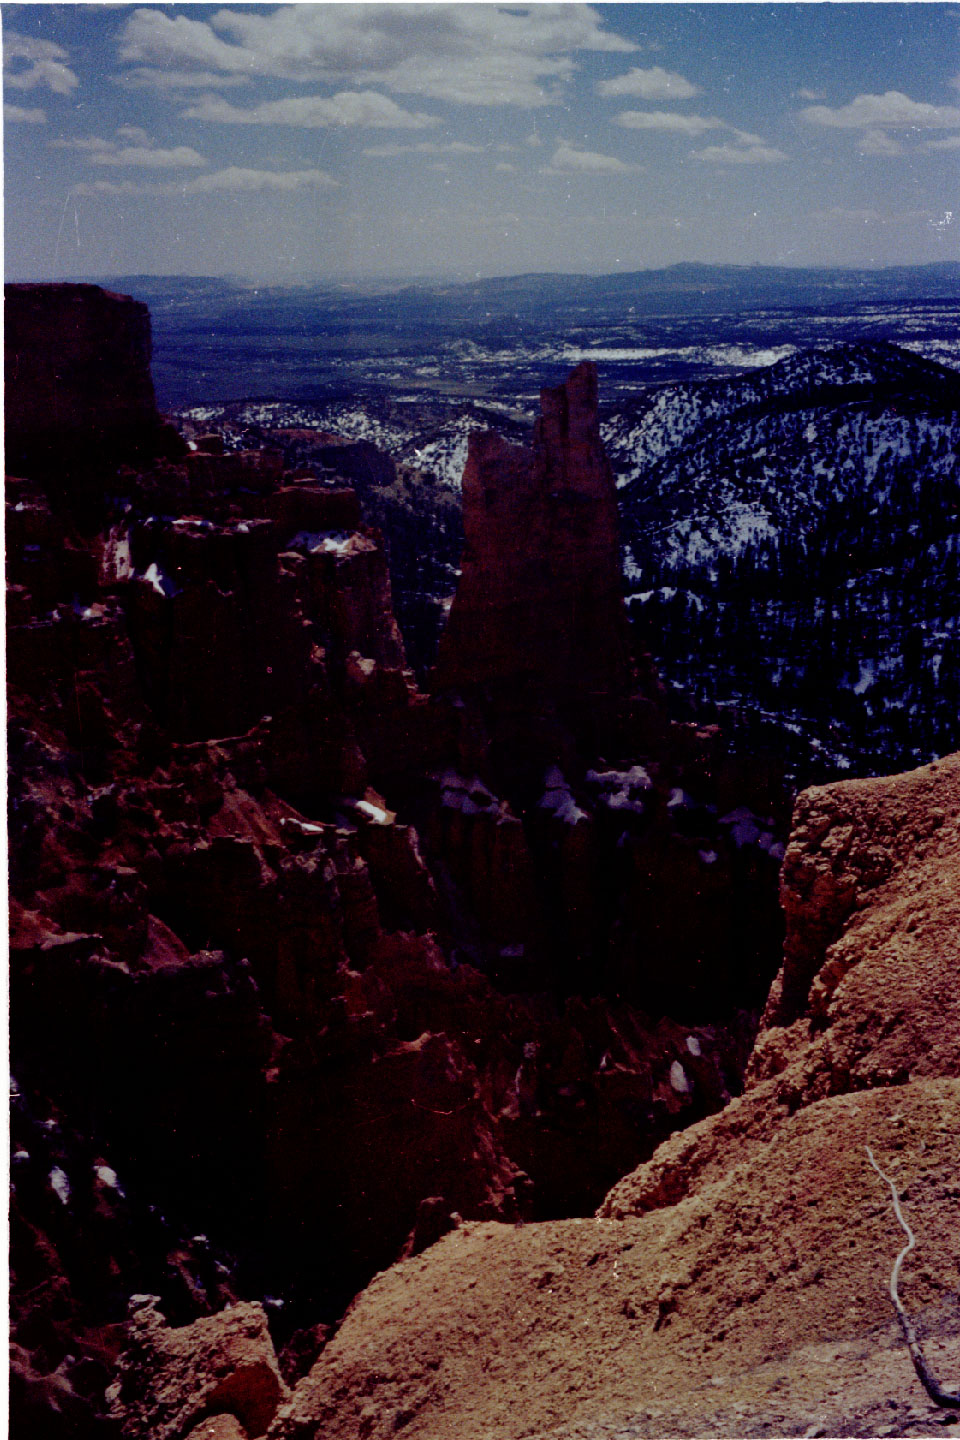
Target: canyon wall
x=306, y=965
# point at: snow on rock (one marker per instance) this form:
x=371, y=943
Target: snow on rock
x=623, y=790
x=60, y=1184
x=468, y=795
x=373, y=812
x=558, y=800
x=160, y=581
x=680, y=800
x=331, y=542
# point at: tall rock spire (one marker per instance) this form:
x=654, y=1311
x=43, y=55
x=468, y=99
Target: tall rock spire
x=539, y=603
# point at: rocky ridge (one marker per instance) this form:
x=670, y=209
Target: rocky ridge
x=301, y=973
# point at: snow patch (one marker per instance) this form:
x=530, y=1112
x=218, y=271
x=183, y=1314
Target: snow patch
x=623, y=790
x=161, y=583
x=60, y=1185
x=558, y=800
x=380, y=817
x=330, y=542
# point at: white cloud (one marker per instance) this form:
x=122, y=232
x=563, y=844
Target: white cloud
x=135, y=134
x=566, y=161
x=878, y=142
x=740, y=155
x=23, y=115
x=804, y=94
x=893, y=109
x=425, y=147
x=152, y=38
x=505, y=168
x=668, y=120
x=473, y=54
x=312, y=112
x=42, y=64
x=82, y=142
x=142, y=152
x=653, y=84
x=949, y=142
x=151, y=156
x=233, y=180
x=143, y=78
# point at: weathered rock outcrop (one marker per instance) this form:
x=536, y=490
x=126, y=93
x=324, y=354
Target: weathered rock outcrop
x=77, y=378
x=172, y=1380
x=871, y=890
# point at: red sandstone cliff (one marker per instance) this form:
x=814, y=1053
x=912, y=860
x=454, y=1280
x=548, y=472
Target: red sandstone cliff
x=76, y=377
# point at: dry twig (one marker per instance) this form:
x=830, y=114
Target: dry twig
x=938, y=1395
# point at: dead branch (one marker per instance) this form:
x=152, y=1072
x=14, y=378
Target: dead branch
x=938, y=1395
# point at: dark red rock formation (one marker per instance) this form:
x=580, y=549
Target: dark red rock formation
x=539, y=605
x=77, y=376
x=308, y=982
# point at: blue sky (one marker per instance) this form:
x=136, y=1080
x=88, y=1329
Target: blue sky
x=313, y=141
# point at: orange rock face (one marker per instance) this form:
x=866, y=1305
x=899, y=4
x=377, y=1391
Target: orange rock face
x=173, y=1378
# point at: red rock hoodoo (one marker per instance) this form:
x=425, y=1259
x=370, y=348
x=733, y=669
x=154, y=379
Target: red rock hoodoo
x=539, y=609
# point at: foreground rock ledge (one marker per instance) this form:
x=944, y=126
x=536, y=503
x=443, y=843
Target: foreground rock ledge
x=737, y=1283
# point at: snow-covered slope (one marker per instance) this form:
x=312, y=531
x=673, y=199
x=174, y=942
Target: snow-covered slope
x=638, y=434
x=791, y=541
x=429, y=435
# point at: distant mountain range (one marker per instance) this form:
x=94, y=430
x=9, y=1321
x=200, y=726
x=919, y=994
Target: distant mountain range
x=218, y=340
x=685, y=287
